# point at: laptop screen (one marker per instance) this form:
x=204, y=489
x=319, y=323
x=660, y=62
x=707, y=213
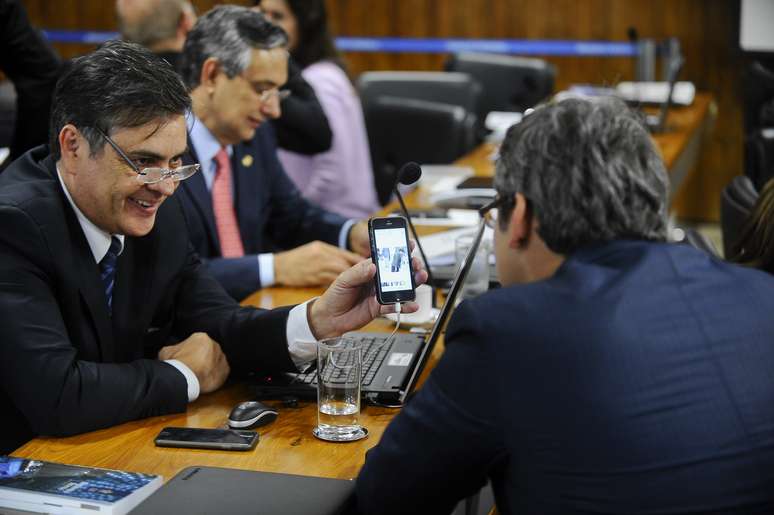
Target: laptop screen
x=443, y=316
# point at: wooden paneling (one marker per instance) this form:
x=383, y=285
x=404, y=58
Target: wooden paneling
x=708, y=32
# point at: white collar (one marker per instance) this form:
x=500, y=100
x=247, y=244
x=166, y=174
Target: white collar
x=99, y=240
x=204, y=142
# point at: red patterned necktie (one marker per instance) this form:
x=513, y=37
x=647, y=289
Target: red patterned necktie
x=223, y=207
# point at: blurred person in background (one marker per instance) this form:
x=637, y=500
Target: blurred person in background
x=341, y=179
x=33, y=67
x=755, y=246
x=163, y=25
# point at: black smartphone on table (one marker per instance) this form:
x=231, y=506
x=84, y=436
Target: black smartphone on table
x=390, y=253
x=198, y=438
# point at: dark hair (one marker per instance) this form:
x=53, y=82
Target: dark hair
x=228, y=33
x=315, y=42
x=120, y=84
x=755, y=246
x=590, y=172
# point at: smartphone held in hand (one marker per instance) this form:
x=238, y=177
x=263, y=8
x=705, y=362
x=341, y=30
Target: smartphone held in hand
x=390, y=253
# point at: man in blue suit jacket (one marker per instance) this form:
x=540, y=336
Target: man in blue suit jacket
x=233, y=73
x=612, y=372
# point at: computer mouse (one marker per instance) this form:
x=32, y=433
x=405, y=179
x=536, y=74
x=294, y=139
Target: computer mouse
x=250, y=414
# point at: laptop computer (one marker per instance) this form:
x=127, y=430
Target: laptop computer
x=208, y=490
x=391, y=364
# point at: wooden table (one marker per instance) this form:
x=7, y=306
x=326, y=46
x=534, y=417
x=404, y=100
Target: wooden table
x=680, y=143
x=287, y=445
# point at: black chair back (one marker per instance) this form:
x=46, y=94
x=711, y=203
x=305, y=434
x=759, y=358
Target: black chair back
x=509, y=83
x=403, y=129
x=736, y=203
x=457, y=89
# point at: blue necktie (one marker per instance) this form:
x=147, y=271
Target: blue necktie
x=107, y=270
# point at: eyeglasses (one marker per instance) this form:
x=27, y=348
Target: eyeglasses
x=490, y=211
x=269, y=94
x=155, y=174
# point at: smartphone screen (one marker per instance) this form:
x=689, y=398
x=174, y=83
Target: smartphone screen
x=390, y=252
x=229, y=439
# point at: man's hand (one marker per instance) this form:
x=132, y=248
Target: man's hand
x=350, y=302
x=313, y=264
x=358, y=238
x=204, y=357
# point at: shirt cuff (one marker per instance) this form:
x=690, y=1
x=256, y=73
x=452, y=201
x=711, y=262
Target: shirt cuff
x=344, y=234
x=190, y=378
x=266, y=269
x=302, y=344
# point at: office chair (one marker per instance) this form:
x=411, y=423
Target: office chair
x=736, y=203
x=7, y=113
x=759, y=156
x=757, y=88
x=457, y=89
x=509, y=83
x=403, y=129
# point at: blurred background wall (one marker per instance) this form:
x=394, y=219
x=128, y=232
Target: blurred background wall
x=707, y=30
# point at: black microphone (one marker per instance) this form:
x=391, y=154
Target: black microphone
x=410, y=173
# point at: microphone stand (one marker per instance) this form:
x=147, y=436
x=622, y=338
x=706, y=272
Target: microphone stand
x=430, y=280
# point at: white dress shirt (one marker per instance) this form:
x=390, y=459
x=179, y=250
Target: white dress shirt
x=301, y=342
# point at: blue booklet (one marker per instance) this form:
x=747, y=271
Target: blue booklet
x=41, y=486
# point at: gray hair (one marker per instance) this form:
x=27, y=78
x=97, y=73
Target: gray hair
x=152, y=22
x=228, y=33
x=589, y=171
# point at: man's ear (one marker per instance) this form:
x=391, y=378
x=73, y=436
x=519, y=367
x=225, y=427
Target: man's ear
x=210, y=71
x=71, y=143
x=520, y=223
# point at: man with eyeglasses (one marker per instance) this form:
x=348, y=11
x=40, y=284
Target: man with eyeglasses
x=248, y=221
x=107, y=313
x=613, y=372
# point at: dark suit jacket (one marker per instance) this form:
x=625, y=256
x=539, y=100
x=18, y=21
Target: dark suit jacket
x=33, y=67
x=66, y=367
x=638, y=379
x=271, y=212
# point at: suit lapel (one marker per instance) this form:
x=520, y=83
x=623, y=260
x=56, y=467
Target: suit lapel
x=196, y=187
x=246, y=177
x=134, y=276
x=90, y=285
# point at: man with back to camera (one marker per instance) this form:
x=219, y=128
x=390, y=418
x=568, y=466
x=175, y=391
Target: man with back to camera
x=243, y=206
x=162, y=26
x=612, y=372
x=107, y=313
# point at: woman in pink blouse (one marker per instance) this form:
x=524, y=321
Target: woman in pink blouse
x=341, y=179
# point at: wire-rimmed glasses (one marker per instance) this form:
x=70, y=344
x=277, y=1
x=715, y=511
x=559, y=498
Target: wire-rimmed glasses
x=154, y=174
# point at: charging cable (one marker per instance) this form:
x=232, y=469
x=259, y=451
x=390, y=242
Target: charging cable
x=397, y=322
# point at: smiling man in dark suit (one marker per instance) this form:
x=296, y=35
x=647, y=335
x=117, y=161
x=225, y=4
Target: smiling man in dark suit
x=243, y=206
x=107, y=313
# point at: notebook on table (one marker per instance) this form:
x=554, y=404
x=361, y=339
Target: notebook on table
x=33, y=486
x=391, y=364
x=209, y=490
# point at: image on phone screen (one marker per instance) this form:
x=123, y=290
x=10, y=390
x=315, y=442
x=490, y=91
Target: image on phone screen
x=393, y=260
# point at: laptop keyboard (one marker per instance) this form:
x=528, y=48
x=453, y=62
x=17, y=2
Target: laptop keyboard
x=375, y=350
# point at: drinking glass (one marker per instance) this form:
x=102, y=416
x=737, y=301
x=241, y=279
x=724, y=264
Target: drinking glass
x=339, y=364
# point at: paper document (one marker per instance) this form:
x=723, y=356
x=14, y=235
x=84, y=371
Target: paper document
x=656, y=92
